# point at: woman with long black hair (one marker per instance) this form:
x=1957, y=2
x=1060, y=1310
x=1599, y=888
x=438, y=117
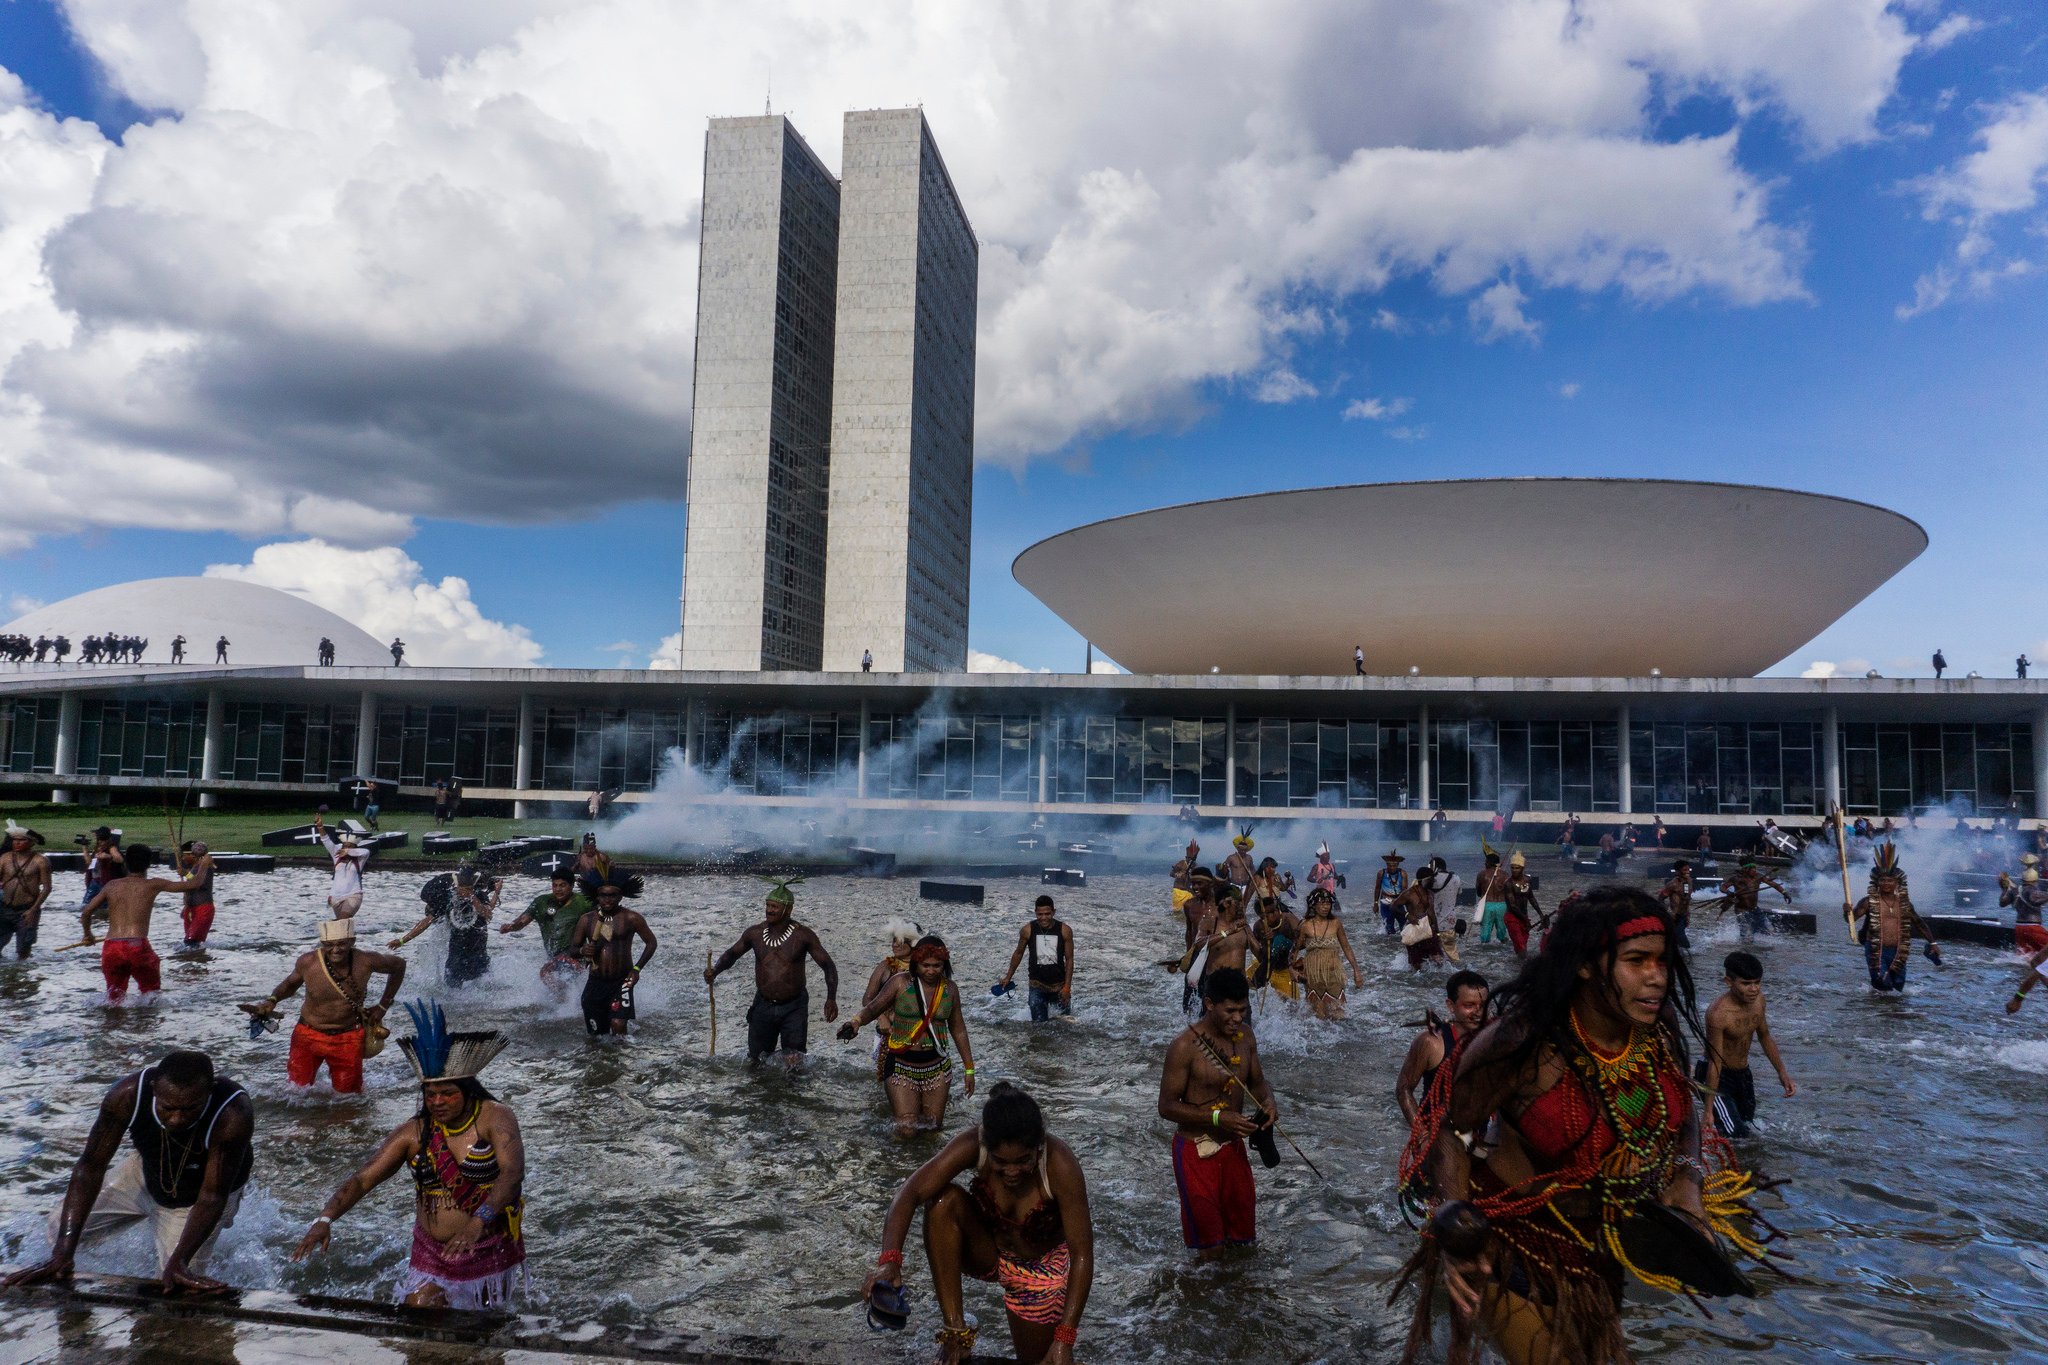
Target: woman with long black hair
x=1595, y=1167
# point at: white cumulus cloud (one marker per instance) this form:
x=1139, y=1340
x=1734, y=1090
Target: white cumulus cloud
x=979, y=661
x=369, y=261
x=1376, y=409
x=1983, y=195
x=668, y=654
x=387, y=593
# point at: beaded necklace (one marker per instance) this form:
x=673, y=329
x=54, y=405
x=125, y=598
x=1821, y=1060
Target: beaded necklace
x=768, y=937
x=1628, y=1083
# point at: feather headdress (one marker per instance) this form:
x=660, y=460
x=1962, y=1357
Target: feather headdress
x=1243, y=841
x=439, y=1055
x=1886, y=863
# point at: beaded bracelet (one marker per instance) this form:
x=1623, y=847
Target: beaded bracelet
x=1065, y=1335
x=889, y=1258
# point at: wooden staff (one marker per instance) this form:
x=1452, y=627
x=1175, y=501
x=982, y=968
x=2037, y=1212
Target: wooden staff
x=711, y=989
x=1842, y=855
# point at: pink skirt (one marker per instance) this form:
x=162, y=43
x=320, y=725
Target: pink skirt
x=486, y=1276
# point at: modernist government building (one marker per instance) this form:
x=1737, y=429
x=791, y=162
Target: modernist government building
x=1602, y=659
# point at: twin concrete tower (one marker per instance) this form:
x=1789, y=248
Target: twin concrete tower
x=832, y=443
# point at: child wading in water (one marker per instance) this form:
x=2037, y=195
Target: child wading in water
x=1733, y=1023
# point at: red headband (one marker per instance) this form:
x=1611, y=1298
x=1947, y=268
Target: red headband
x=1637, y=927
x=930, y=952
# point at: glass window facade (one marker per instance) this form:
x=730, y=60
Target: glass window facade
x=1325, y=762
x=1906, y=769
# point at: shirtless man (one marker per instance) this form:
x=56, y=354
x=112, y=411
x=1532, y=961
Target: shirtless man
x=1212, y=1068
x=1184, y=877
x=345, y=896
x=198, y=915
x=605, y=936
x=2027, y=900
x=780, y=1017
x=1226, y=936
x=1676, y=898
x=1886, y=924
x=1743, y=890
x=1465, y=997
x=128, y=902
x=1237, y=869
x=1524, y=910
x=592, y=868
x=1733, y=1023
x=334, y=1017
x=24, y=886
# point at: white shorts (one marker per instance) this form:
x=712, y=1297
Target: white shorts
x=124, y=1200
x=345, y=907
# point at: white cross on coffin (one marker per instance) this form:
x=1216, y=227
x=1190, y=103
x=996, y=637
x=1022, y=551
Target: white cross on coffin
x=554, y=862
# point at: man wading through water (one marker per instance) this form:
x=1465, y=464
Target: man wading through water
x=129, y=901
x=605, y=936
x=24, y=886
x=334, y=1023
x=780, y=1017
x=194, y=1135
x=1050, y=945
x=1212, y=1071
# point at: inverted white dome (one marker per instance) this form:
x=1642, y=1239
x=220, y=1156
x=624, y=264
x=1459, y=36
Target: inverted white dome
x=264, y=626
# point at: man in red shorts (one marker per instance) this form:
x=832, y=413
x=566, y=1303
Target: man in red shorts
x=2027, y=900
x=126, y=956
x=335, y=1017
x=198, y=915
x=1212, y=1070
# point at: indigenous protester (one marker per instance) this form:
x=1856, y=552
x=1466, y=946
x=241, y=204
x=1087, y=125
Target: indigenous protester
x=1322, y=940
x=1387, y=887
x=24, y=886
x=2037, y=971
x=1490, y=892
x=1237, y=869
x=129, y=901
x=1324, y=873
x=1733, y=1023
x=102, y=861
x=557, y=911
x=780, y=1017
x=1022, y=1222
x=198, y=916
x=465, y=907
x=1268, y=886
x=335, y=1025
x=468, y=1165
x=1050, y=945
x=923, y=1005
x=592, y=868
x=1599, y=1171
x=1278, y=934
x=345, y=896
x=1742, y=892
x=1212, y=1074
x=193, y=1134
x=1419, y=929
x=1886, y=924
x=1222, y=940
x=1676, y=898
x=1524, y=910
x=1465, y=1000
x=1444, y=886
x=2027, y=900
x=604, y=936
x=1184, y=877
x=903, y=936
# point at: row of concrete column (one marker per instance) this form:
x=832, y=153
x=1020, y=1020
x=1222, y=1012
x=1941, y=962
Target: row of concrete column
x=366, y=751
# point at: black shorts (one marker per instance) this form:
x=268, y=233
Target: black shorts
x=12, y=929
x=1735, y=1106
x=606, y=998
x=774, y=1026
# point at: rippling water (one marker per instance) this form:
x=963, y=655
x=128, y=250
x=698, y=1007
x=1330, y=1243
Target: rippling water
x=668, y=1188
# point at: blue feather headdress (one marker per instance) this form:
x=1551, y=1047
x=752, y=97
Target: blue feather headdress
x=439, y=1055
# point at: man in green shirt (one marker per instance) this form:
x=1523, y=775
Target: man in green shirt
x=556, y=911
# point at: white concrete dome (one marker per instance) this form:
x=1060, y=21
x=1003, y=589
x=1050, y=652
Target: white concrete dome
x=1574, y=578
x=264, y=626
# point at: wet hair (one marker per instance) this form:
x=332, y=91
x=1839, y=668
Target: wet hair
x=1226, y=984
x=1536, y=1005
x=139, y=858
x=563, y=874
x=186, y=1070
x=1045, y=901
x=1011, y=1116
x=1462, y=979
x=465, y=877
x=1743, y=967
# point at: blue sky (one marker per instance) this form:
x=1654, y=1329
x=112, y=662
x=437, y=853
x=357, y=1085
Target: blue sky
x=1815, y=381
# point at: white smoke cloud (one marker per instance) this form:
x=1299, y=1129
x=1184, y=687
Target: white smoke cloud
x=386, y=592
x=374, y=261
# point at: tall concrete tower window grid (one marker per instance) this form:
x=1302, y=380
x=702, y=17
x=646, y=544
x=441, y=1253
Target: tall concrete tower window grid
x=759, y=471
x=831, y=473
x=902, y=404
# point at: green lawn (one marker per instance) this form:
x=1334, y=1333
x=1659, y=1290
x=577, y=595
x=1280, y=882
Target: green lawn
x=242, y=830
